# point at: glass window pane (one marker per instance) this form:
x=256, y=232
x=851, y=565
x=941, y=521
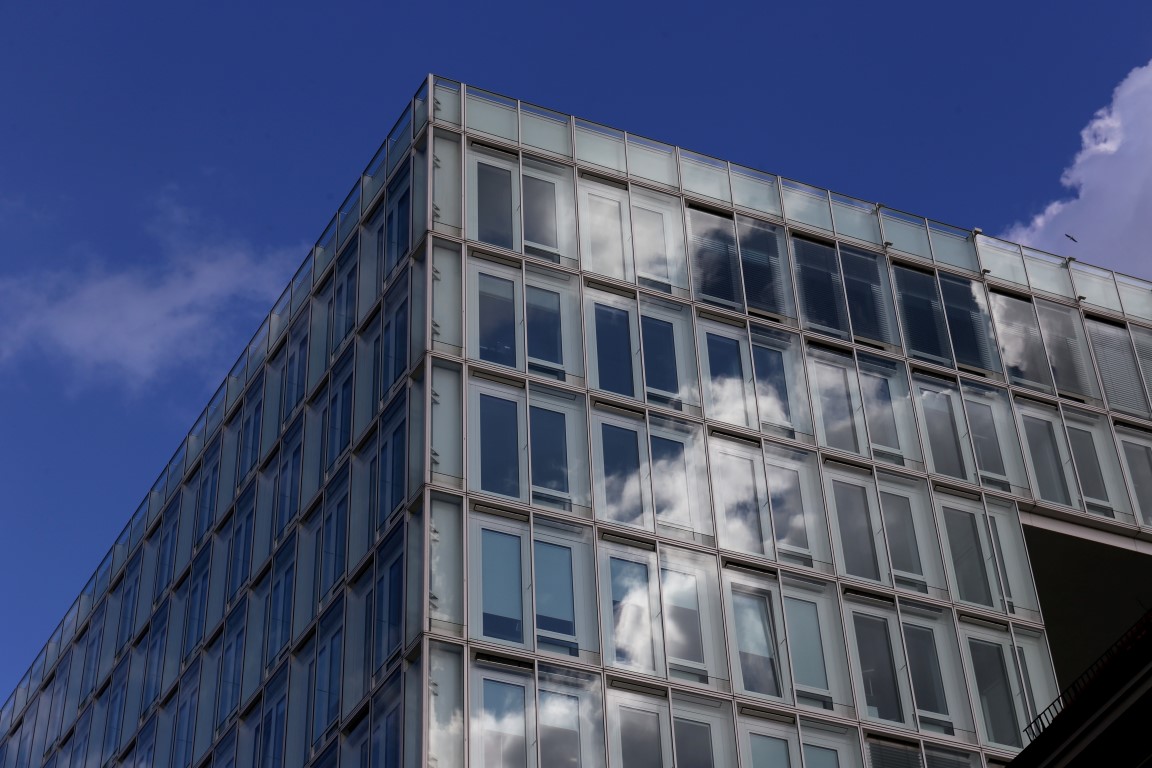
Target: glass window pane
x=1021, y=347
x=854, y=518
x=503, y=729
x=632, y=612
x=497, y=313
x=503, y=617
x=741, y=497
x=869, y=295
x=1097, y=465
x=1118, y=368
x=821, y=293
x=781, y=391
x=970, y=556
x=729, y=386
x=658, y=240
x=755, y=638
x=715, y=262
x=553, y=325
x=769, y=752
x=945, y=429
x=558, y=445
x=605, y=234
x=613, y=342
x=806, y=643
x=499, y=467
x=545, y=341
x=767, y=273
x=806, y=205
x=953, y=246
x=970, y=325
x=878, y=669
x=640, y=738
x=669, y=355
x=797, y=507
x=993, y=430
x=571, y=718
x=549, y=208
x=922, y=311
x=680, y=480
x=1068, y=351
x=889, y=412
x=1047, y=451
x=839, y=416
x=1137, y=453
x=993, y=691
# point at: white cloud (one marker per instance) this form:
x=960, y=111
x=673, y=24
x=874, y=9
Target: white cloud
x=135, y=322
x=1110, y=210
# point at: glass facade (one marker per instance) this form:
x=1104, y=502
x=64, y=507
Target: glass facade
x=568, y=447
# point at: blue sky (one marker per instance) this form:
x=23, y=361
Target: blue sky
x=164, y=168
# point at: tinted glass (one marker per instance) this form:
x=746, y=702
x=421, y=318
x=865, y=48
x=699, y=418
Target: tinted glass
x=805, y=644
x=497, y=315
x=1046, y=460
x=504, y=742
x=924, y=665
x=614, y=349
x=693, y=744
x=622, y=472
x=869, y=295
x=503, y=583
x=878, y=669
x=659, y=354
x=1021, y=346
x=968, y=321
x=545, y=341
x=754, y=638
x=540, y=212
x=549, y=449
x=859, y=548
x=555, y=598
x=833, y=395
x=820, y=291
x=994, y=693
x=640, y=745
x=925, y=333
x=767, y=277
x=901, y=530
x=499, y=465
x=494, y=205
x=964, y=545
x=712, y=246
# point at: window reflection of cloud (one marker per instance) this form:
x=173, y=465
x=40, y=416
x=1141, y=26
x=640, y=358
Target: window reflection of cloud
x=728, y=401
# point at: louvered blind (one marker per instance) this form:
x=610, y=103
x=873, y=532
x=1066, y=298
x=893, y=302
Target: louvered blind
x=886, y=755
x=820, y=287
x=767, y=283
x=712, y=244
x=1067, y=350
x=1118, y=369
x=922, y=311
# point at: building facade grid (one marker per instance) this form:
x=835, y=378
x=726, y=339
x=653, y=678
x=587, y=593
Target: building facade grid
x=565, y=446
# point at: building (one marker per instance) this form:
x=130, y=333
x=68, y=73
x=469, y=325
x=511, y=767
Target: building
x=566, y=447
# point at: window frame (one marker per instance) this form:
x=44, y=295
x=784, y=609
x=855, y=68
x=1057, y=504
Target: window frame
x=477, y=524
x=478, y=266
x=634, y=422
x=516, y=395
x=476, y=155
x=628, y=304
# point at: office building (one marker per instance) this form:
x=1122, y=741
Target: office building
x=567, y=447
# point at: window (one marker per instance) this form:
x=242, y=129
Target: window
x=231, y=665
x=288, y=478
x=497, y=319
x=497, y=461
x=741, y=497
x=970, y=558
x=1097, y=465
x=553, y=324
x=185, y=714
x=693, y=633
x=387, y=727
x=154, y=656
x=118, y=691
x=209, y=487
x=658, y=241
x=273, y=723
x=493, y=185
x=715, y=262
x=389, y=598
x=680, y=480
x=392, y=463
x=1136, y=449
x=781, y=391
x=1068, y=351
x=970, y=325
x=1012, y=558
x=911, y=535
x=888, y=410
x=129, y=592
x=816, y=645
x=767, y=273
x=559, y=443
x=280, y=599
x=1118, y=367
x=669, y=355
x=571, y=718
x=639, y=731
x=549, y=227
x=296, y=367
x=394, y=355
x=756, y=634
x=827, y=746
x=869, y=296
x=326, y=668
x=768, y=744
x=197, y=601
x=398, y=221
x=503, y=703
x=340, y=410
x=820, y=287
x=879, y=668
x=620, y=466
x=1021, y=346
x=729, y=383
x=857, y=532
x=333, y=537
x=501, y=572
x=925, y=330
x=613, y=343
x=342, y=306
x=1047, y=451
x=993, y=430
x=839, y=416
x=629, y=608
x=92, y=642
x=995, y=690
x=944, y=427
x=565, y=601
x=166, y=548
x=702, y=730
x=797, y=507
x=934, y=666
x=605, y=230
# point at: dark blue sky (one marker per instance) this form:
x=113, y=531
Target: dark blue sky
x=163, y=169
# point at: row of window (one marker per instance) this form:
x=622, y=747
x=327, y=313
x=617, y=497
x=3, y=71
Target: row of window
x=520, y=717
x=549, y=586
x=640, y=236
